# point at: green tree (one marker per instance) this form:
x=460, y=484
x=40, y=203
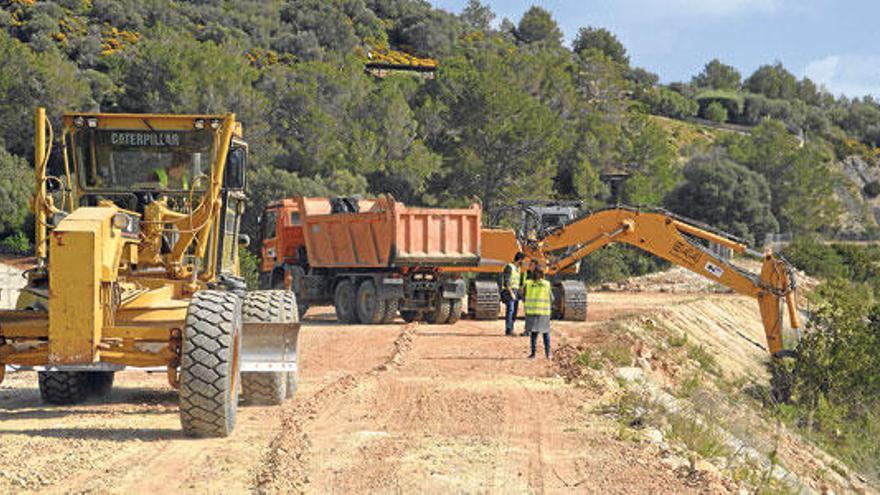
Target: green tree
x=28, y=80
x=498, y=142
x=717, y=75
x=477, y=16
x=16, y=188
x=726, y=195
x=387, y=146
x=716, y=112
x=538, y=25
x=603, y=40
x=663, y=101
x=773, y=81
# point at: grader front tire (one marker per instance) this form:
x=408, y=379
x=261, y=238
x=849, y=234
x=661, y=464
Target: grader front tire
x=267, y=306
x=209, y=364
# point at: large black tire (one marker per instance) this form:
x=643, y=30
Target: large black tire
x=344, y=300
x=370, y=309
x=63, y=387
x=391, y=306
x=440, y=313
x=410, y=316
x=100, y=383
x=266, y=306
x=209, y=364
x=455, y=307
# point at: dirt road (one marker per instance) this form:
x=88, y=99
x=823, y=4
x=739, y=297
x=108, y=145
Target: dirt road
x=393, y=408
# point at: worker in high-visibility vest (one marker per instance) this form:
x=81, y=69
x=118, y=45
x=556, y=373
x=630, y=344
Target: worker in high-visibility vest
x=511, y=285
x=538, y=302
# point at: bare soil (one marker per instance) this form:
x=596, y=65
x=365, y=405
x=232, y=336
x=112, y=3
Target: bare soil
x=387, y=408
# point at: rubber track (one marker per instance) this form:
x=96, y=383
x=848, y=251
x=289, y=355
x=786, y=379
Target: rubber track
x=485, y=301
x=207, y=406
x=265, y=306
x=63, y=387
x=574, y=300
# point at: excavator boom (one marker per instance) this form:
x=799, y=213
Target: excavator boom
x=677, y=240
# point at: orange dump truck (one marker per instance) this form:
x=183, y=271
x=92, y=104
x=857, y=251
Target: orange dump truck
x=370, y=258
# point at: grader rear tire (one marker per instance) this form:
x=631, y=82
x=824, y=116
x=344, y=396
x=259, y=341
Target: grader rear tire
x=370, y=309
x=63, y=387
x=344, y=301
x=209, y=364
x=266, y=306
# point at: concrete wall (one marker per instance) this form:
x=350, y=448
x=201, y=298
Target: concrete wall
x=11, y=282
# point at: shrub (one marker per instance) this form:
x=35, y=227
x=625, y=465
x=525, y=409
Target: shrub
x=716, y=112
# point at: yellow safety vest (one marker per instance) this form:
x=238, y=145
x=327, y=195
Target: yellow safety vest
x=537, y=298
x=515, y=277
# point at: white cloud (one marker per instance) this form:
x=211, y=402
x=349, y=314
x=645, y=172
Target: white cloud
x=851, y=75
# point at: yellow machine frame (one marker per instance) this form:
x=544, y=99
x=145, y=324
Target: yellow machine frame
x=100, y=309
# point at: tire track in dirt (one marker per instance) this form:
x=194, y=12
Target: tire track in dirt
x=284, y=464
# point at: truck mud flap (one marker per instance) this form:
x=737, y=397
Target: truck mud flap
x=453, y=289
x=391, y=288
x=269, y=347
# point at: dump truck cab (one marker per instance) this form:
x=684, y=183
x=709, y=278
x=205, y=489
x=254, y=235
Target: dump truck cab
x=137, y=238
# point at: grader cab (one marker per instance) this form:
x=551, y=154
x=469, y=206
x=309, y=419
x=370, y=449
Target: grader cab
x=136, y=244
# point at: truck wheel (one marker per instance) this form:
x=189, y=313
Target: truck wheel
x=344, y=301
x=370, y=309
x=454, y=311
x=209, y=364
x=100, y=383
x=63, y=387
x=410, y=316
x=266, y=306
x=391, y=306
x=440, y=313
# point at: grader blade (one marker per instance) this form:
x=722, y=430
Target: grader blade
x=270, y=346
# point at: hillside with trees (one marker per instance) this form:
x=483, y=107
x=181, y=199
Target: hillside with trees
x=511, y=112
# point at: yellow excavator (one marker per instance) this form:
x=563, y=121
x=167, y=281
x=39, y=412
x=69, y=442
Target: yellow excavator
x=136, y=244
x=559, y=242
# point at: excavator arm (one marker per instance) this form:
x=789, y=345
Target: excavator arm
x=678, y=241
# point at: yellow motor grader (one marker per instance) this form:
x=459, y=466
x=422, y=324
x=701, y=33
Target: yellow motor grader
x=136, y=244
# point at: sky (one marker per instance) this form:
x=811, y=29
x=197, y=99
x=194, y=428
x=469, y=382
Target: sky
x=834, y=43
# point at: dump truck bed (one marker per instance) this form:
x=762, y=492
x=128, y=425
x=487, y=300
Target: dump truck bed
x=383, y=233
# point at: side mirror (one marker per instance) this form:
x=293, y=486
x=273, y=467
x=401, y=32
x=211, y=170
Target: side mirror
x=244, y=240
x=235, y=168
